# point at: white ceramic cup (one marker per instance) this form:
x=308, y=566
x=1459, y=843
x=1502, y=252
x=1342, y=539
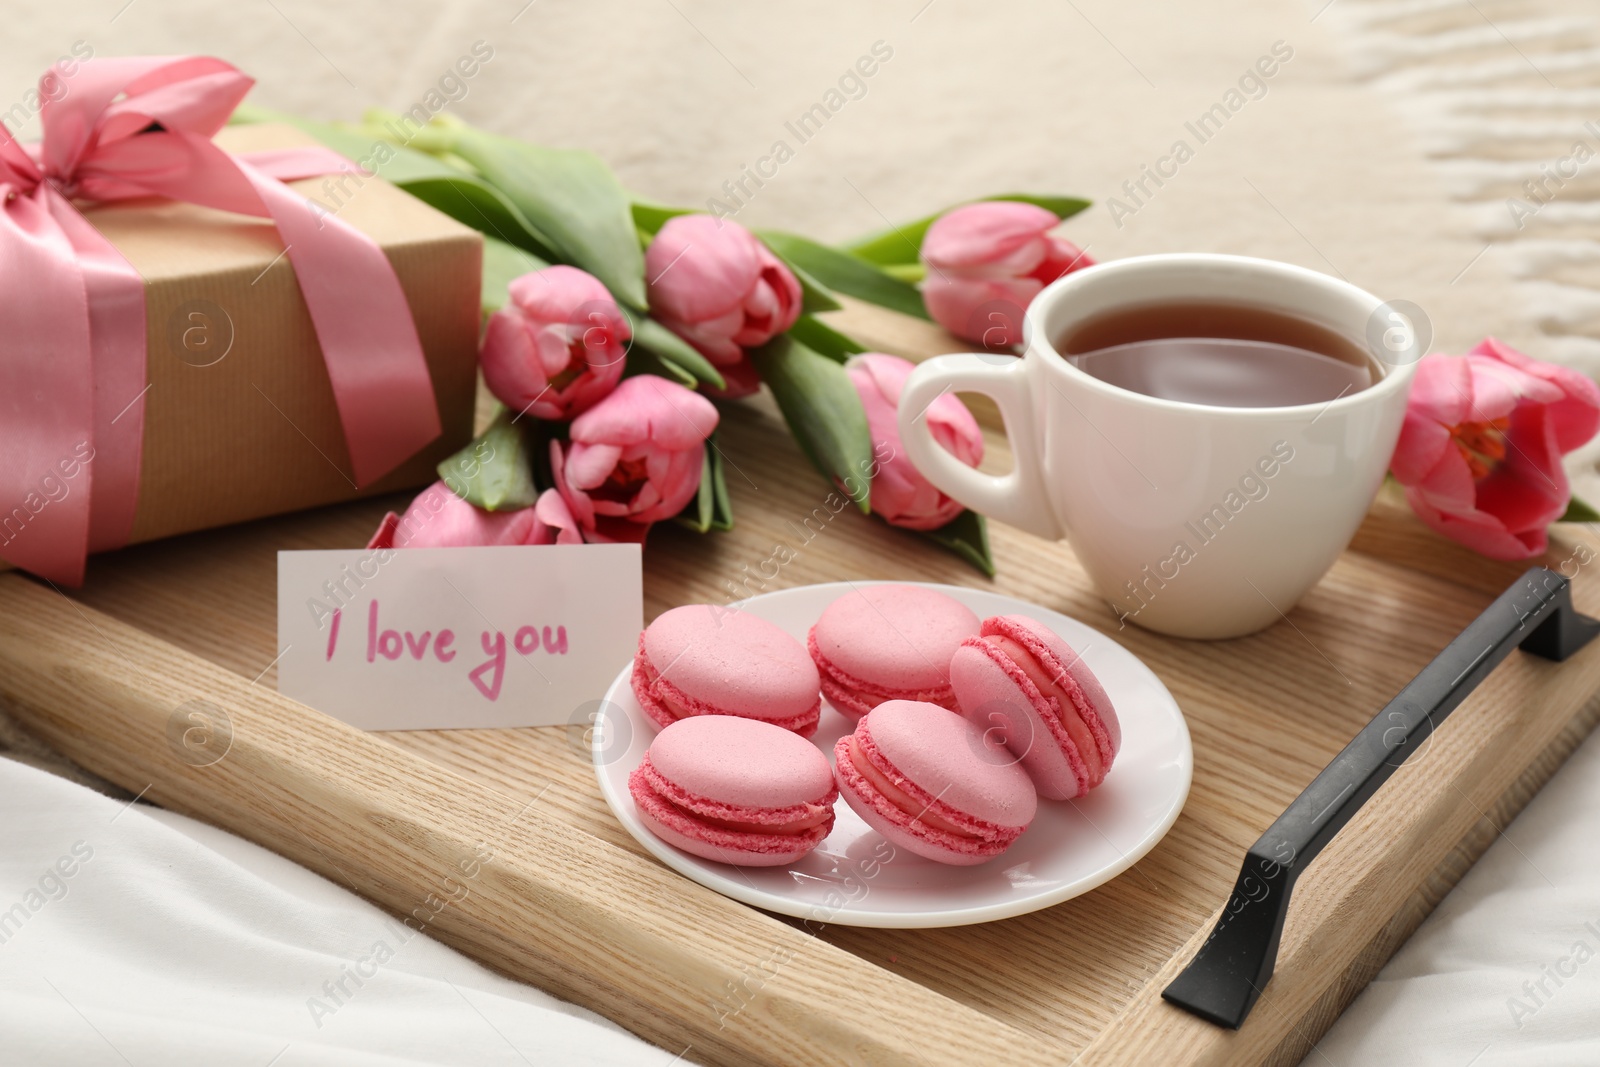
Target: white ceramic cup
x=1192, y=520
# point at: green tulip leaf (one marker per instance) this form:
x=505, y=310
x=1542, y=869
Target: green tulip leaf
x=473, y=202
x=643, y=361
x=820, y=337
x=814, y=296
x=721, y=503
x=570, y=196
x=649, y=216
x=502, y=265
x=460, y=194
x=903, y=244
x=493, y=471
x=709, y=510
x=823, y=411
x=844, y=273
x=967, y=535
x=1063, y=207
x=671, y=349
x=697, y=513
x=1578, y=511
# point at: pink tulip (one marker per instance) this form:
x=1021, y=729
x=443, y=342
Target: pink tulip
x=1480, y=450
x=986, y=262
x=719, y=288
x=634, y=458
x=899, y=491
x=554, y=523
x=438, y=518
x=557, y=347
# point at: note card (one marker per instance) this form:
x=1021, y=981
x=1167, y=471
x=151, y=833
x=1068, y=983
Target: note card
x=440, y=638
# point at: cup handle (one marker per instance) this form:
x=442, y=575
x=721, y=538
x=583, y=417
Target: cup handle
x=1018, y=497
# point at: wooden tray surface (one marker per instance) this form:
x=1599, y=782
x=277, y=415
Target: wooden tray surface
x=564, y=898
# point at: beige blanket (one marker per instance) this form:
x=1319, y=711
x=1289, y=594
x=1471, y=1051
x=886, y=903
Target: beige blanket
x=1368, y=138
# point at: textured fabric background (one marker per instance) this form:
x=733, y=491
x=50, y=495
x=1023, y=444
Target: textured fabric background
x=680, y=96
x=135, y=936
x=1380, y=151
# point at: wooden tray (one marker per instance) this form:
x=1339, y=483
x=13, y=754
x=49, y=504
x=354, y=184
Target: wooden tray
x=497, y=841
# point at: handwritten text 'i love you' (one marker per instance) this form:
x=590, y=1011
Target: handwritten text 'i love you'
x=440, y=647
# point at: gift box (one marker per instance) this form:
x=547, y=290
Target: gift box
x=240, y=420
x=239, y=412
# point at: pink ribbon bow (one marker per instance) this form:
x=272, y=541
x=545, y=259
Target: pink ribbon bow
x=72, y=314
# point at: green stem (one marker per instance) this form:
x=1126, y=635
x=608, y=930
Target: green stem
x=906, y=272
x=436, y=138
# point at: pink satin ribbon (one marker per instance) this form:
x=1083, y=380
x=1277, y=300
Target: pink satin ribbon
x=72, y=314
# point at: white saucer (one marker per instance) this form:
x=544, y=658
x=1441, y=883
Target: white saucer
x=855, y=878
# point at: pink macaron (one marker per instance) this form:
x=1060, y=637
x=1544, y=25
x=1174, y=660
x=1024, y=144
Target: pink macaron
x=735, y=790
x=702, y=659
x=889, y=642
x=931, y=782
x=1019, y=679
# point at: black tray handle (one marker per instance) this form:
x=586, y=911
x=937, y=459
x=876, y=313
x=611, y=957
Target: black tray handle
x=1226, y=976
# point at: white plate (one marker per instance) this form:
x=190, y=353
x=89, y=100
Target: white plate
x=855, y=878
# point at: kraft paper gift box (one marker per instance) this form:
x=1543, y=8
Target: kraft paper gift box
x=239, y=418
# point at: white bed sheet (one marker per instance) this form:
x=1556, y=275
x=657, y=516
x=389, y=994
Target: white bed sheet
x=130, y=935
